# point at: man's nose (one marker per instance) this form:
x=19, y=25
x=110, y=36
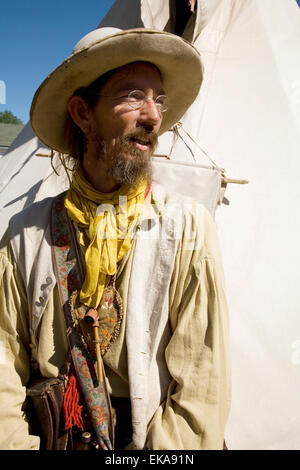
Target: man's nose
x=149, y=113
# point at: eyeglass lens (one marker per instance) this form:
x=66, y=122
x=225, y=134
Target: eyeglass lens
x=137, y=98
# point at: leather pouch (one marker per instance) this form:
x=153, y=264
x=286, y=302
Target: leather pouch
x=45, y=412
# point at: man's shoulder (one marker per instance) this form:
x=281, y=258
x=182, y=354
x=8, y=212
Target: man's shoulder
x=186, y=213
x=35, y=218
x=173, y=201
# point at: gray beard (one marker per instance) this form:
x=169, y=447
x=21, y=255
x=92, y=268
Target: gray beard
x=127, y=171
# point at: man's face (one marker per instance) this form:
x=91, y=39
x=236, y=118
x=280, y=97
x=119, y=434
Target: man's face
x=125, y=138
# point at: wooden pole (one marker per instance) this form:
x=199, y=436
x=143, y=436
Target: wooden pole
x=92, y=318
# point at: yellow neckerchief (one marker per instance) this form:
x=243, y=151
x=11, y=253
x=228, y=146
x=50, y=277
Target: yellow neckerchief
x=109, y=218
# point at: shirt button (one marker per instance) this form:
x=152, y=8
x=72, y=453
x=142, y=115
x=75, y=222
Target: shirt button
x=48, y=280
x=41, y=300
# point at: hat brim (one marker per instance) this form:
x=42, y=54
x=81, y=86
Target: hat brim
x=178, y=61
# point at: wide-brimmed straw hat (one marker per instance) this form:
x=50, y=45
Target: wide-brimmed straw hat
x=106, y=49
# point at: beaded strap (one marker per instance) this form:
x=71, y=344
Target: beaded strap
x=69, y=276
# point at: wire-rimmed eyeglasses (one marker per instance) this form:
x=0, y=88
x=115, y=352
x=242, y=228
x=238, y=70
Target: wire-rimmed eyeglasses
x=137, y=98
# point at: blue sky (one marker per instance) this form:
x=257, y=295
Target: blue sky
x=35, y=37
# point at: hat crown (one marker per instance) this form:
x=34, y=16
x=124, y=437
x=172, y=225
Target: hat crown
x=93, y=37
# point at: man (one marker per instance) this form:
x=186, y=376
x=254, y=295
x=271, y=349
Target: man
x=141, y=263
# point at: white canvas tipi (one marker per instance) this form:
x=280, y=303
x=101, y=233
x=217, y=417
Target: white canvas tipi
x=247, y=119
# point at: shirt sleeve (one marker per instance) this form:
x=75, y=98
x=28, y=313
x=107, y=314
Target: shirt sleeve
x=196, y=409
x=14, y=357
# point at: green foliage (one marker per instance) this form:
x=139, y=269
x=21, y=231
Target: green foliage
x=9, y=118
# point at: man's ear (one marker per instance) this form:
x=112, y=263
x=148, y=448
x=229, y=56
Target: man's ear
x=80, y=113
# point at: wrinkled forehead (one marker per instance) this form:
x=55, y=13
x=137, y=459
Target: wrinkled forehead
x=136, y=75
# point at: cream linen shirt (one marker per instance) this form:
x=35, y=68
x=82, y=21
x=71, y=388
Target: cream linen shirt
x=195, y=411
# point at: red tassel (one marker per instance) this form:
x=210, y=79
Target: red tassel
x=72, y=408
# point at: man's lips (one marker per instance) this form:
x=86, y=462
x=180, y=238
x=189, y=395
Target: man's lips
x=142, y=144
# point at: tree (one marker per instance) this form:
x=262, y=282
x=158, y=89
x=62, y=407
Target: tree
x=9, y=118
